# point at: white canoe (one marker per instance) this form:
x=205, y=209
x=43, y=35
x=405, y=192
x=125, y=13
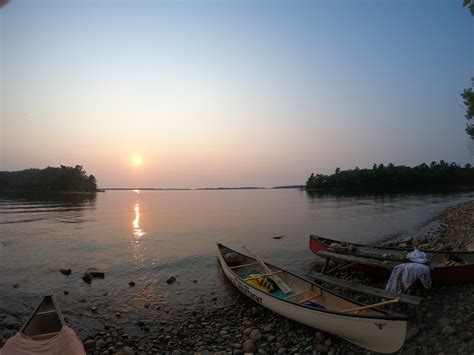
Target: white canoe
x=317, y=307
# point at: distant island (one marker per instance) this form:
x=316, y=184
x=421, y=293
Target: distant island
x=62, y=179
x=289, y=187
x=390, y=178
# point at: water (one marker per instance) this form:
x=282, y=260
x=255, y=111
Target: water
x=147, y=236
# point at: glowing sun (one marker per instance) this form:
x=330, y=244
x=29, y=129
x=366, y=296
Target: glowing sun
x=137, y=160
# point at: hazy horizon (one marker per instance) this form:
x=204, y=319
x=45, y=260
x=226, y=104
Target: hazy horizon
x=239, y=93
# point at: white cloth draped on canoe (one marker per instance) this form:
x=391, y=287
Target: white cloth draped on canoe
x=405, y=275
x=65, y=342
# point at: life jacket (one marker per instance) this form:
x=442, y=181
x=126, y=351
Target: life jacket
x=262, y=283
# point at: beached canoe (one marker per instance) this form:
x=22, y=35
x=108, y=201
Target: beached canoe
x=447, y=267
x=45, y=322
x=313, y=305
x=45, y=332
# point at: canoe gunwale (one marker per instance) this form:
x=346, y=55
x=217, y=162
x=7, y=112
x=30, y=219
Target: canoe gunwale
x=324, y=241
x=387, y=315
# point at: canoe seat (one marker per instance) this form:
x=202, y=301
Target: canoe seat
x=243, y=265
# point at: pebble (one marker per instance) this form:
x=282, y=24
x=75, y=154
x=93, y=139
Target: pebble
x=443, y=322
x=100, y=344
x=322, y=348
x=89, y=344
x=87, y=278
x=66, y=272
x=250, y=347
x=128, y=351
x=171, y=280
x=412, y=333
x=320, y=337
x=247, y=331
x=255, y=335
x=448, y=330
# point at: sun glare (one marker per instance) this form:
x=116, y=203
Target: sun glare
x=137, y=160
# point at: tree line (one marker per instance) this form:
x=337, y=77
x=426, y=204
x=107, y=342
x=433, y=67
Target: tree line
x=440, y=175
x=64, y=178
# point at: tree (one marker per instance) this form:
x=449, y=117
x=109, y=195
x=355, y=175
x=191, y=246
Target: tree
x=468, y=97
x=470, y=5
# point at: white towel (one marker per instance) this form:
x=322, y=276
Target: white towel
x=405, y=275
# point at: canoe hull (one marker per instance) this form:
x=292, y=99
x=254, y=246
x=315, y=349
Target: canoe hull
x=376, y=334
x=439, y=275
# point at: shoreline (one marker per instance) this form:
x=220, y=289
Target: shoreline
x=444, y=322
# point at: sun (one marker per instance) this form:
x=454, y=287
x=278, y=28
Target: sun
x=137, y=160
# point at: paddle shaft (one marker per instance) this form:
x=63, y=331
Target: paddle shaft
x=358, y=309
x=281, y=284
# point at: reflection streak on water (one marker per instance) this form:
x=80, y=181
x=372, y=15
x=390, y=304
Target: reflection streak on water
x=138, y=234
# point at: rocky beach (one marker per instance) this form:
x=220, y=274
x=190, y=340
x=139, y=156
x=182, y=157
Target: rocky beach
x=442, y=324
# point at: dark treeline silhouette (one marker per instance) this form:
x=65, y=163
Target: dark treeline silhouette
x=64, y=178
x=389, y=178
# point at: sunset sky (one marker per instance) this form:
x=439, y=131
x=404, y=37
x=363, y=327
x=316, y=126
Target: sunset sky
x=232, y=93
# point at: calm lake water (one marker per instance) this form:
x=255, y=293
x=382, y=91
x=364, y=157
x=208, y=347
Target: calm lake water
x=147, y=236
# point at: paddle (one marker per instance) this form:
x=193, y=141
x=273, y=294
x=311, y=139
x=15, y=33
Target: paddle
x=358, y=309
x=280, y=283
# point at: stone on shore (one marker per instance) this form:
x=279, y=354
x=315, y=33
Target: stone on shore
x=171, y=280
x=250, y=347
x=66, y=272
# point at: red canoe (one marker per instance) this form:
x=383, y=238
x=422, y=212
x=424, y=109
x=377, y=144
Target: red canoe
x=447, y=267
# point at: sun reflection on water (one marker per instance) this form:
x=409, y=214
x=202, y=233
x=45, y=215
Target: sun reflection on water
x=138, y=234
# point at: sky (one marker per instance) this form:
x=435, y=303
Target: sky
x=232, y=93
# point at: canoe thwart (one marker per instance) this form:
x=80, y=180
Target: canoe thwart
x=243, y=265
x=312, y=297
x=298, y=294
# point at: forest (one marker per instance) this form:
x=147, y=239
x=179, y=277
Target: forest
x=63, y=178
x=437, y=175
